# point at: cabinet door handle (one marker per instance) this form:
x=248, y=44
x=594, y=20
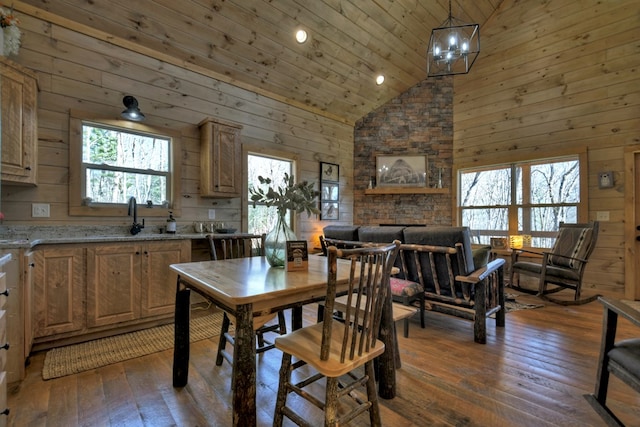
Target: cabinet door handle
x=5, y=412
x=28, y=168
x=137, y=252
x=5, y=346
x=5, y=292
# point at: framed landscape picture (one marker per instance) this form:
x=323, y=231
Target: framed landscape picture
x=402, y=171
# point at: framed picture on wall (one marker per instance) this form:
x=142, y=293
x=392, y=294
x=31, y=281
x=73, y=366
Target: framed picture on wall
x=329, y=172
x=402, y=171
x=329, y=210
x=329, y=191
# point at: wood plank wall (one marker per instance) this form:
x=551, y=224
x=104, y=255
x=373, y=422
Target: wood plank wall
x=558, y=76
x=77, y=70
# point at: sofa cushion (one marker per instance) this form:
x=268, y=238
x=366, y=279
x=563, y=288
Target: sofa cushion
x=341, y=232
x=443, y=236
x=377, y=234
x=480, y=256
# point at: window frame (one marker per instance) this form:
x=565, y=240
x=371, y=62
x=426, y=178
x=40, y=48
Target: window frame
x=77, y=168
x=513, y=207
x=278, y=155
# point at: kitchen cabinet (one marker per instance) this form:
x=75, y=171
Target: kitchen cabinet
x=19, y=138
x=58, y=290
x=220, y=159
x=158, y=283
x=133, y=281
x=3, y=350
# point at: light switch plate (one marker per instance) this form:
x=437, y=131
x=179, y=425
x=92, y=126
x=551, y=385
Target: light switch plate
x=40, y=210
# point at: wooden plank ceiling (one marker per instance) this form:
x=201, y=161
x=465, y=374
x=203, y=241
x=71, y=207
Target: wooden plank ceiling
x=251, y=43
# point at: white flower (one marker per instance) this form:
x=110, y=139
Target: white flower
x=12, y=37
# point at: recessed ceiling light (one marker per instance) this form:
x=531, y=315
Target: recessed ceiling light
x=379, y=79
x=301, y=36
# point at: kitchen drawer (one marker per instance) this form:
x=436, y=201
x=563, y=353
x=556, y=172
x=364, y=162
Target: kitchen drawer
x=3, y=290
x=3, y=340
x=4, y=411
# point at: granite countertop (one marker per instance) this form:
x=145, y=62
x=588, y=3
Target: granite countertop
x=29, y=237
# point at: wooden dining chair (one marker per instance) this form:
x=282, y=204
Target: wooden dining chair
x=620, y=357
x=240, y=246
x=335, y=349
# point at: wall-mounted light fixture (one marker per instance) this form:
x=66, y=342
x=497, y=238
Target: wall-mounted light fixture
x=132, y=112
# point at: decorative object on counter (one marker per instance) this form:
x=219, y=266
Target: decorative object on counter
x=171, y=224
x=329, y=191
x=298, y=197
x=198, y=227
x=10, y=35
x=132, y=112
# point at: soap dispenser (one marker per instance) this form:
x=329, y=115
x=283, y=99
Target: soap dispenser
x=171, y=224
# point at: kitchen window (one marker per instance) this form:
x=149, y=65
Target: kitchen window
x=113, y=161
x=529, y=198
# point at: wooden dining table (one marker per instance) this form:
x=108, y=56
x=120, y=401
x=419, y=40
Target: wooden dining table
x=248, y=288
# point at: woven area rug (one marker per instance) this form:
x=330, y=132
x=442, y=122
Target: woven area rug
x=510, y=304
x=89, y=355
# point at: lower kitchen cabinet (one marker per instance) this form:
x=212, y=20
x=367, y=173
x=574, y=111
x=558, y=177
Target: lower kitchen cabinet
x=132, y=281
x=58, y=290
x=99, y=289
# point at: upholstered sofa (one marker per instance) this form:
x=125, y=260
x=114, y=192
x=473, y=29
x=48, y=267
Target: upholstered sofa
x=457, y=278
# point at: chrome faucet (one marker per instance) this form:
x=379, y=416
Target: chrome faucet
x=133, y=211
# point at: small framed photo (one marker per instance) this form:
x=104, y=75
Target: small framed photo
x=330, y=191
x=329, y=210
x=329, y=172
x=402, y=171
x=499, y=243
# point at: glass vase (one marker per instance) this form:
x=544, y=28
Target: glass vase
x=275, y=245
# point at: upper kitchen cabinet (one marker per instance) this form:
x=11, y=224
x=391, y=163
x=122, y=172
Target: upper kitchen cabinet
x=19, y=123
x=220, y=159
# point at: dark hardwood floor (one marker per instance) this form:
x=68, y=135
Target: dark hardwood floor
x=532, y=373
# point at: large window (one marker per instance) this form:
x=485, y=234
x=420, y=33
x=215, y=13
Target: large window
x=114, y=160
x=262, y=219
x=521, y=198
x=118, y=164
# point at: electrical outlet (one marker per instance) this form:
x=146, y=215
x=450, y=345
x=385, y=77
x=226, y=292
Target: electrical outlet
x=40, y=210
x=212, y=214
x=602, y=216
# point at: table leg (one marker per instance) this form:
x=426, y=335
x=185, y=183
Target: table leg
x=386, y=362
x=181, y=337
x=244, y=368
x=296, y=317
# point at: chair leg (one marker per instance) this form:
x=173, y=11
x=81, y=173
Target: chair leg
x=283, y=390
x=331, y=403
x=422, y=308
x=222, y=343
x=372, y=395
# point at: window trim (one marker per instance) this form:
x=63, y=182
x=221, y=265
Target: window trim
x=582, y=206
x=77, y=180
x=255, y=150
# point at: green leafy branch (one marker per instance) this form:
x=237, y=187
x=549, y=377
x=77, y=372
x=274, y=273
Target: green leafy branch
x=299, y=197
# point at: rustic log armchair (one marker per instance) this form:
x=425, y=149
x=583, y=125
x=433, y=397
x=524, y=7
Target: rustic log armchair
x=241, y=246
x=619, y=358
x=563, y=267
x=441, y=260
